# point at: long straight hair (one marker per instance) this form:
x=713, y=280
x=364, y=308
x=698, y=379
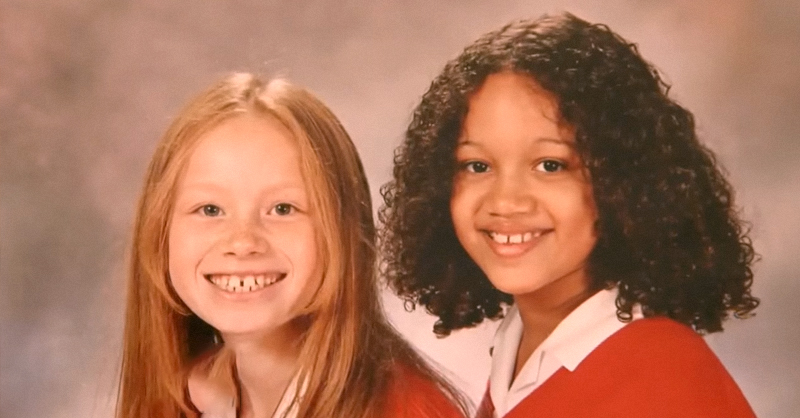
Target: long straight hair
x=349, y=352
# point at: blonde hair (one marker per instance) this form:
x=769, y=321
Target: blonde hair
x=349, y=351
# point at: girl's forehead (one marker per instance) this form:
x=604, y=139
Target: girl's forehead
x=243, y=149
x=511, y=106
x=510, y=82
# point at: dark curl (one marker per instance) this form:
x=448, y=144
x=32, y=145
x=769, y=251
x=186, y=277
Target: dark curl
x=669, y=236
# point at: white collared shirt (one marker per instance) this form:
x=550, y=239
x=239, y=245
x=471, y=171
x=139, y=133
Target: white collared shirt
x=571, y=341
x=288, y=406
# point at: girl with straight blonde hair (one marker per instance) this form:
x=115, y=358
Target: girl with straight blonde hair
x=252, y=286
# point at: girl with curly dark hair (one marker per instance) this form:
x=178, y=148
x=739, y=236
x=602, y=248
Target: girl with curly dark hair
x=547, y=178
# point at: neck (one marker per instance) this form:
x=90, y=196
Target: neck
x=265, y=365
x=542, y=310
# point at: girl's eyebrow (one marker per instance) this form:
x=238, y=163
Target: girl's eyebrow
x=557, y=141
x=199, y=186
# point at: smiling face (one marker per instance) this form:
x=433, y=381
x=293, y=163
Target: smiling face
x=522, y=204
x=242, y=250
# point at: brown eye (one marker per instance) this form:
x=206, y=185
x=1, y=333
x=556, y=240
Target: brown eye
x=283, y=209
x=476, y=167
x=550, y=166
x=211, y=210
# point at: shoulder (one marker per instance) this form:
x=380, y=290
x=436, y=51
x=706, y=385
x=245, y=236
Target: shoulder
x=663, y=329
x=412, y=394
x=659, y=341
x=662, y=364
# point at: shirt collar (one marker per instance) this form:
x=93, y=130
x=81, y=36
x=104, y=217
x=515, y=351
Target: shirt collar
x=585, y=328
x=290, y=401
x=575, y=337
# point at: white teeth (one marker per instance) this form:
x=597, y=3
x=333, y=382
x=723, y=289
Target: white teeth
x=247, y=283
x=515, y=238
x=499, y=238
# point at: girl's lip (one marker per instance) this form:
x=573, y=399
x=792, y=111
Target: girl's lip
x=510, y=228
x=244, y=282
x=240, y=273
x=514, y=244
x=515, y=237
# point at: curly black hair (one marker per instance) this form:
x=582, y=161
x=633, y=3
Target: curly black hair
x=669, y=235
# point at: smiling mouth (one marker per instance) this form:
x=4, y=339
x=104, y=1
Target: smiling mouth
x=244, y=283
x=508, y=239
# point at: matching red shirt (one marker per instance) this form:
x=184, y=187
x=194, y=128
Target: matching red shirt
x=653, y=367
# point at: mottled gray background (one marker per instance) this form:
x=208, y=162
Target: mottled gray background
x=87, y=87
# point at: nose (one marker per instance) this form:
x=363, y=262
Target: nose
x=510, y=195
x=247, y=239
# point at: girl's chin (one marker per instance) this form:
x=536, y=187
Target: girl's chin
x=235, y=331
x=516, y=288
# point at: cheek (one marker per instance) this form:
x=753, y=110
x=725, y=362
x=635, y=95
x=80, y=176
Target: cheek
x=590, y=208
x=180, y=272
x=457, y=218
x=585, y=216
x=309, y=264
x=312, y=263
x=175, y=250
x=301, y=246
x=186, y=247
x=460, y=207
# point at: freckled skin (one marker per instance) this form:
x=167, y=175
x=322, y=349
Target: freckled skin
x=242, y=206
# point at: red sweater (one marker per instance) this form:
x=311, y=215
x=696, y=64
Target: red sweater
x=413, y=396
x=653, y=367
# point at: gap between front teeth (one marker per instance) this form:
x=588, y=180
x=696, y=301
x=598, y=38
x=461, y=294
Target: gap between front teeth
x=241, y=284
x=515, y=238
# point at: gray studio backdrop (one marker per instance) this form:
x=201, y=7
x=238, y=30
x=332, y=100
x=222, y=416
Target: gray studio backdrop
x=87, y=87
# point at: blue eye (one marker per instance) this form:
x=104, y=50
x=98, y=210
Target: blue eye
x=550, y=166
x=211, y=210
x=283, y=209
x=476, y=167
